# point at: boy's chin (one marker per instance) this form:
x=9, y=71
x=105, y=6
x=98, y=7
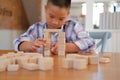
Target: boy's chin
x=59, y=28
x=54, y=27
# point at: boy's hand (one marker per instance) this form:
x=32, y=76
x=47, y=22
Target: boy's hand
x=38, y=43
x=54, y=48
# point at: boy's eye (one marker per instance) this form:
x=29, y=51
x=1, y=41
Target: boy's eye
x=61, y=19
x=51, y=16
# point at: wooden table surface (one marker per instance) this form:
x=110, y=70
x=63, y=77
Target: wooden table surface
x=109, y=71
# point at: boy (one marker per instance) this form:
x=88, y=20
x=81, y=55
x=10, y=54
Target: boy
x=57, y=12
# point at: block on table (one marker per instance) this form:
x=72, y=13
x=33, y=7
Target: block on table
x=107, y=55
x=22, y=60
x=46, y=63
x=73, y=56
x=32, y=60
x=67, y=63
x=104, y=60
x=82, y=57
x=79, y=64
x=30, y=66
x=2, y=68
x=93, y=59
x=13, y=67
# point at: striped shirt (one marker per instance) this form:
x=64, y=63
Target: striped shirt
x=74, y=33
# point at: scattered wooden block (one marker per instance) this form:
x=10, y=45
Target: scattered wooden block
x=93, y=59
x=107, y=55
x=83, y=57
x=46, y=63
x=73, y=56
x=79, y=64
x=67, y=63
x=14, y=60
x=22, y=60
x=2, y=58
x=13, y=67
x=30, y=66
x=2, y=67
x=104, y=60
x=32, y=60
x=6, y=61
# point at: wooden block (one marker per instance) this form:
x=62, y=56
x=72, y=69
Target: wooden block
x=14, y=60
x=82, y=57
x=93, y=59
x=8, y=56
x=61, y=53
x=46, y=63
x=32, y=60
x=104, y=60
x=30, y=66
x=20, y=53
x=47, y=53
x=67, y=63
x=47, y=36
x=2, y=58
x=13, y=67
x=52, y=30
x=107, y=55
x=22, y=60
x=32, y=54
x=5, y=62
x=73, y=56
x=79, y=64
x=61, y=44
x=11, y=53
x=2, y=65
x=2, y=68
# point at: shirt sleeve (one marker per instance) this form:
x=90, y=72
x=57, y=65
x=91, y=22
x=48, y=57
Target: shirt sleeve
x=84, y=41
x=29, y=35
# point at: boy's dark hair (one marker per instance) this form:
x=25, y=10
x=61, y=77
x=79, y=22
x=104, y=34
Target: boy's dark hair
x=60, y=3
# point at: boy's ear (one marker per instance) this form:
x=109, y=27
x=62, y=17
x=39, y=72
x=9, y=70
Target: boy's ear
x=68, y=13
x=45, y=7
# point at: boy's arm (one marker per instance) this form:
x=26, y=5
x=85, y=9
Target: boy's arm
x=33, y=46
x=25, y=46
x=25, y=41
x=71, y=48
x=84, y=41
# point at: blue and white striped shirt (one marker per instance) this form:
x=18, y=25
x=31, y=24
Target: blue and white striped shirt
x=74, y=33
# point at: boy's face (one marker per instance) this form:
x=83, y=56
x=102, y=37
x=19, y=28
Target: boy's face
x=55, y=16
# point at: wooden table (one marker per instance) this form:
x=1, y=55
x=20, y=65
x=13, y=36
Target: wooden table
x=110, y=71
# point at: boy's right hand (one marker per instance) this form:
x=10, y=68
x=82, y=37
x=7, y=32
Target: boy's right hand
x=38, y=43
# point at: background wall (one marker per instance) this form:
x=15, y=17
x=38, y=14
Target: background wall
x=8, y=35
x=32, y=10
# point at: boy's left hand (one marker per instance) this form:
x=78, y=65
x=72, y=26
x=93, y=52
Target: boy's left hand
x=54, y=48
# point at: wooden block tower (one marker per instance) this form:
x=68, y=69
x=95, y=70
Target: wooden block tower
x=61, y=41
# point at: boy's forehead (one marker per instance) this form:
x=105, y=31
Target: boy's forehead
x=50, y=4
x=59, y=12
x=54, y=9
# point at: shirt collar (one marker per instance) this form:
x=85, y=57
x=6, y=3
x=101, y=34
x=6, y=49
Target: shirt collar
x=46, y=27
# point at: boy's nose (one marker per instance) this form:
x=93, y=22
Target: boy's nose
x=55, y=22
